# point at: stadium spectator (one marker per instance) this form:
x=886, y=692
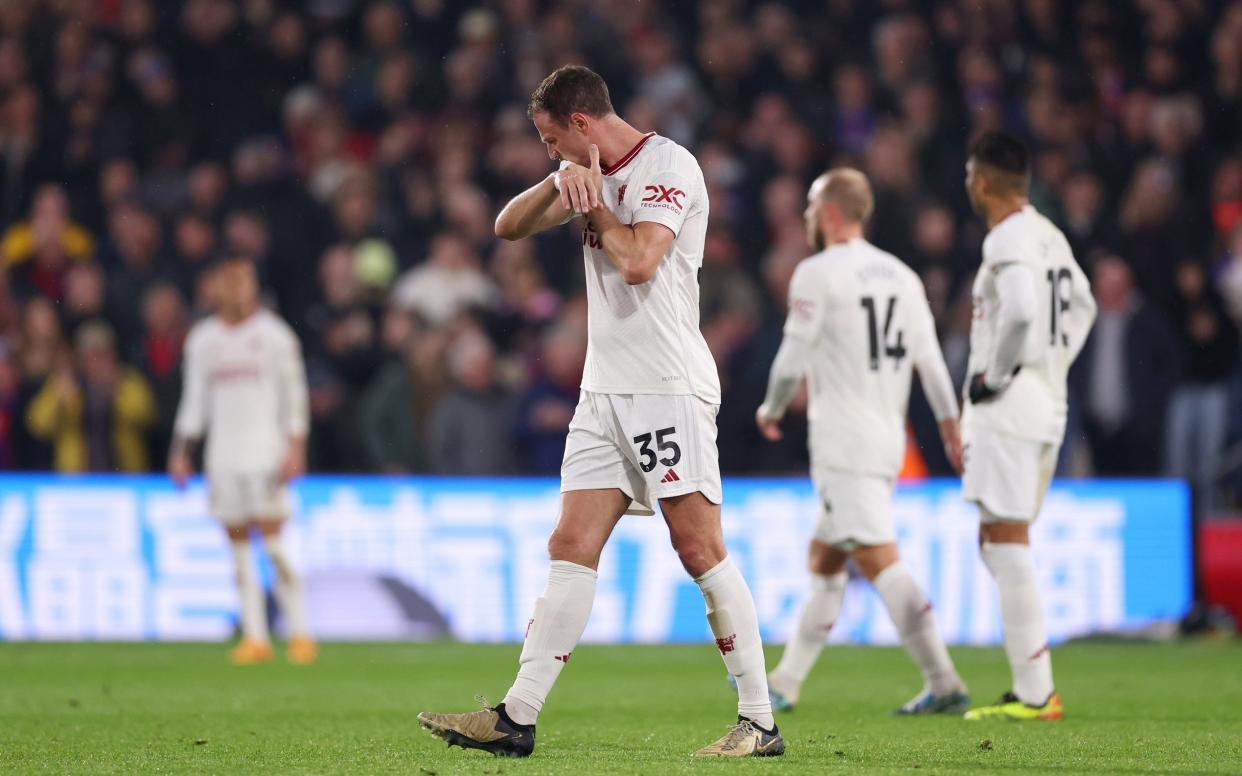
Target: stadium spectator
x=85, y=296
x=448, y=283
x=1125, y=375
x=39, y=252
x=389, y=423
x=1084, y=214
x=94, y=411
x=9, y=417
x=134, y=262
x=1199, y=408
x=544, y=411
x=465, y=434
x=41, y=345
x=158, y=356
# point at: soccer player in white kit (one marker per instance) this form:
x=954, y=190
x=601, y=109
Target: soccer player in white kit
x=1033, y=309
x=858, y=326
x=245, y=387
x=645, y=426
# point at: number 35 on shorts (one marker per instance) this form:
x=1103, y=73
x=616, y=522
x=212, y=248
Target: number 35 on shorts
x=669, y=452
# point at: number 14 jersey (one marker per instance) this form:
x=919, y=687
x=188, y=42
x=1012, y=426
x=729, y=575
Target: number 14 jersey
x=866, y=318
x=1034, y=405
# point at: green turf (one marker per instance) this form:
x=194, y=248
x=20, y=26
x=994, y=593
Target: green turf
x=148, y=708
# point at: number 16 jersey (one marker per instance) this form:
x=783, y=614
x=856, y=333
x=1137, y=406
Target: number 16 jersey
x=866, y=318
x=1033, y=406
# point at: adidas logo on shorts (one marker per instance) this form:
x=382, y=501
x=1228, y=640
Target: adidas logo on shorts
x=670, y=476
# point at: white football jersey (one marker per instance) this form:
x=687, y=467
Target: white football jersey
x=645, y=338
x=866, y=317
x=245, y=386
x=1033, y=406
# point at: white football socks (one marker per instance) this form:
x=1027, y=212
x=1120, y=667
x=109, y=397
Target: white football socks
x=911, y=612
x=288, y=587
x=731, y=614
x=819, y=614
x=557, y=624
x=1022, y=617
x=249, y=593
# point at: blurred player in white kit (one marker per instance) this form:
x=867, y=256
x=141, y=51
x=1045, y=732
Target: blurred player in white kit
x=245, y=388
x=1033, y=309
x=858, y=326
x=645, y=426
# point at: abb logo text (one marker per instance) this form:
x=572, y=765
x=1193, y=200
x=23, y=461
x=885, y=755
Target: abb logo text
x=670, y=194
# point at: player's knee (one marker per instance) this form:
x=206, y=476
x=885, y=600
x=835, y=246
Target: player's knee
x=698, y=556
x=872, y=561
x=573, y=547
x=825, y=560
x=997, y=531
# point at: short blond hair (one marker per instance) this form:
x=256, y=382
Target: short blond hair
x=850, y=191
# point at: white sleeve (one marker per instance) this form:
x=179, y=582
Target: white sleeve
x=294, y=394
x=1015, y=289
x=786, y=375
x=192, y=411
x=807, y=304
x=929, y=362
x=665, y=191
x=802, y=328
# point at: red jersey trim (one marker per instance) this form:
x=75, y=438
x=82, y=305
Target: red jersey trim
x=629, y=155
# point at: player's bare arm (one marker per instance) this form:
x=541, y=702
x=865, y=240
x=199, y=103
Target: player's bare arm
x=938, y=388
x=542, y=206
x=294, y=464
x=951, y=436
x=180, y=462
x=636, y=250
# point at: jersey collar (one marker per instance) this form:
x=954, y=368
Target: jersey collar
x=629, y=155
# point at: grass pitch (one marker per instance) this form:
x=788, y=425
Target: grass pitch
x=178, y=708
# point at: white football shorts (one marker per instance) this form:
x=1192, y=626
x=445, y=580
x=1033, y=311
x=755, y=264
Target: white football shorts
x=649, y=446
x=236, y=498
x=1007, y=476
x=856, y=509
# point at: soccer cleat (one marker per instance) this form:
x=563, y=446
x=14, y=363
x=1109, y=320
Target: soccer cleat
x=489, y=729
x=779, y=701
x=927, y=703
x=302, y=651
x=1009, y=707
x=247, y=653
x=746, y=739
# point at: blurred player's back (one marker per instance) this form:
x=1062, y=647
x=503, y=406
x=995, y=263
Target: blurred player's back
x=858, y=326
x=1034, y=406
x=874, y=326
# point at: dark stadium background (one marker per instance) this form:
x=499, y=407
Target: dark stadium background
x=359, y=151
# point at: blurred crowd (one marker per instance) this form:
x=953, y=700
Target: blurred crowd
x=359, y=150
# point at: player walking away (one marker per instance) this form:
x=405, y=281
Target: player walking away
x=858, y=325
x=1032, y=311
x=645, y=426
x=245, y=386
